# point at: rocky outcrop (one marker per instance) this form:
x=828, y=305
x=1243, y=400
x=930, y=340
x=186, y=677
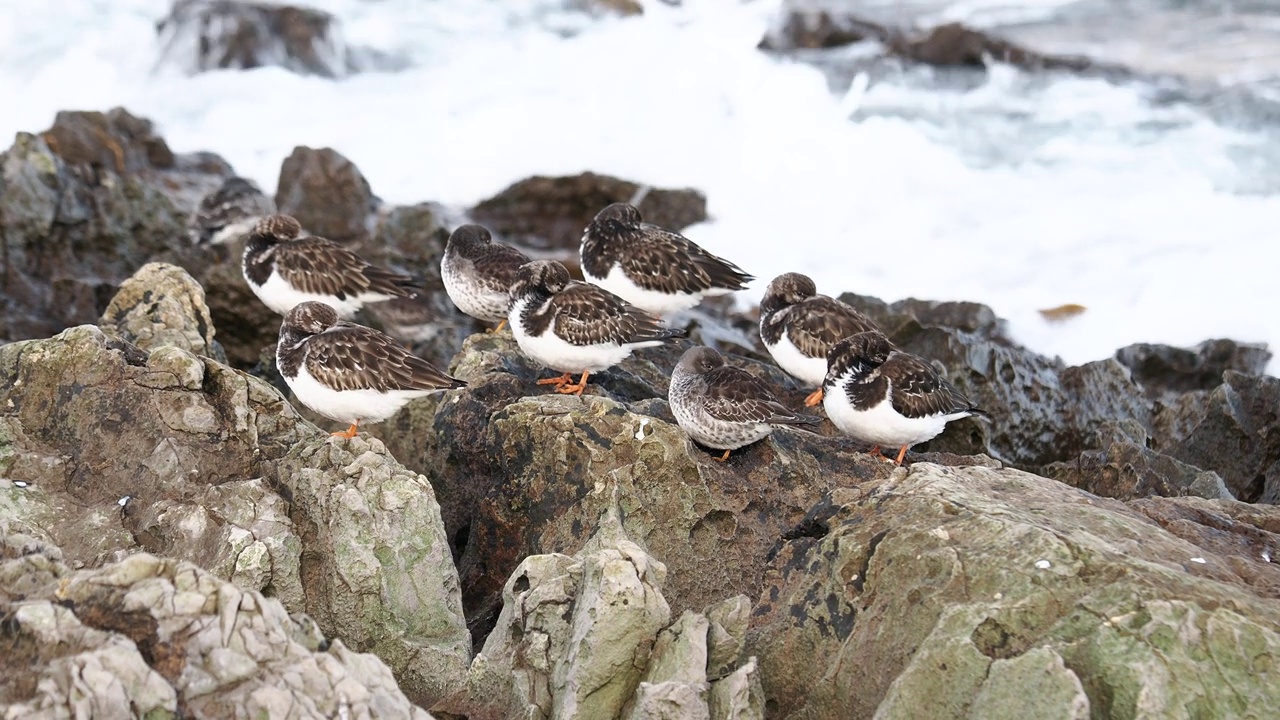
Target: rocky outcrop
x=162, y=305
x=82, y=206
x=550, y=213
x=164, y=638
x=971, y=592
x=122, y=451
x=1125, y=468
x=1231, y=430
x=588, y=636
x=327, y=193
x=520, y=471
x=1167, y=372
x=203, y=35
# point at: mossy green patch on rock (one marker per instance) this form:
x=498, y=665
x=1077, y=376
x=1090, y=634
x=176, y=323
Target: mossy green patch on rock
x=955, y=587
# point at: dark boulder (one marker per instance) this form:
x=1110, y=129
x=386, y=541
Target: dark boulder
x=1231, y=430
x=550, y=213
x=1166, y=372
x=327, y=193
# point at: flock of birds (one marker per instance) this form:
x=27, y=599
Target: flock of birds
x=638, y=275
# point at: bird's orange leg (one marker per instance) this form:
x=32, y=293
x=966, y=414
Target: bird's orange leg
x=814, y=398
x=559, y=382
x=348, y=433
x=499, y=328
x=902, y=453
x=723, y=457
x=575, y=389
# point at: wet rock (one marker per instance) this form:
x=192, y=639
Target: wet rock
x=953, y=587
x=82, y=206
x=1166, y=372
x=1041, y=411
x=165, y=638
x=161, y=305
x=327, y=193
x=166, y=452
x=203, y=35
x=550, y=213
x=1229, y=430
x=824, y=24
x=1125, y=468
x=797, y=28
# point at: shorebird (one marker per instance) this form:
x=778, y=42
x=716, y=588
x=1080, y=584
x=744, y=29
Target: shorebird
x=478, y=273
x=573, y=327
x=799, y=326
x=349, y=372
x=657, y=270
x=724, y=407
x=887, y=397
x=229, y=213
x=284, y=269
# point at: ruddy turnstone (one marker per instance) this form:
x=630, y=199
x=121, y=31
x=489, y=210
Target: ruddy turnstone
x=799, y=326
x=349, y=372
x=229, y=212
x=887, y=397
x=478, y=273
x=573, y=327
x=284, y=270
x=724, y=407
x=657, y=270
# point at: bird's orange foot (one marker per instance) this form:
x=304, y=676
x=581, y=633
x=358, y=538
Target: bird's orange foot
x=902, y=453
x=814, y=398
x=498, y=328
x=571, y=388
x=346, y=434
x=723, y=457
x=559, y=382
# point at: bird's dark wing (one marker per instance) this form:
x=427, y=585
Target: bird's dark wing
x=316, y=265
x=664, y=261
x=497, y=266
x=919, y=391
x=354, y=357
x=585, y=315
x=736, y=395
x=819, y=322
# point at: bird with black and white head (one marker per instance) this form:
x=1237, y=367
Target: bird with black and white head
x=575, y=327
x=348, y=372
x=478, y=273
x=880, y=395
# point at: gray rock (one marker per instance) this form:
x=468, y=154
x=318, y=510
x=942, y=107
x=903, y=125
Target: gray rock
x=1166, y=372
x=169, y=453
x=164, y=638
x=1229, y=430
x=971, y=592
x=161, y=305
x=587, y=636
x=82, y=206
x=1125, y=468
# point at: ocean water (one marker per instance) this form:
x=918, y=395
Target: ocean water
x=1152, y=204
